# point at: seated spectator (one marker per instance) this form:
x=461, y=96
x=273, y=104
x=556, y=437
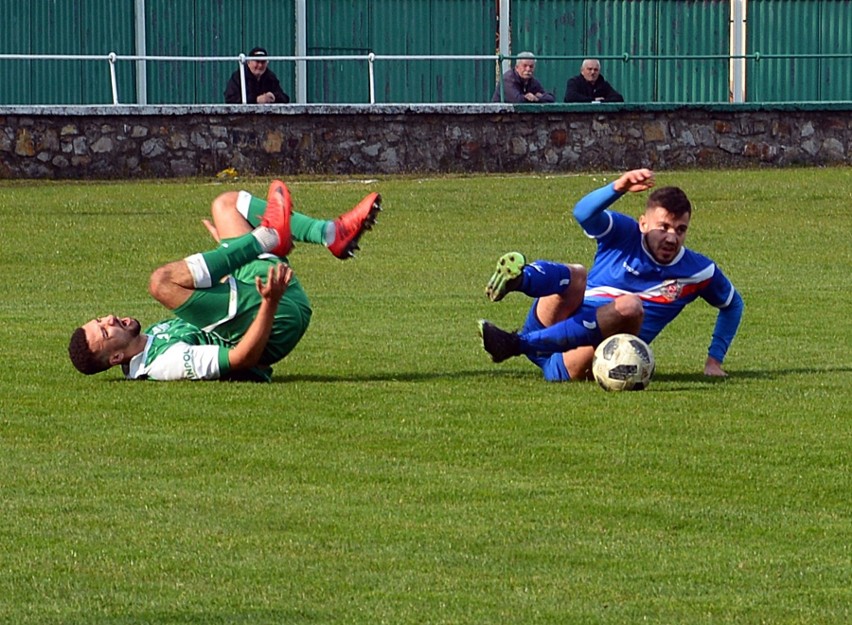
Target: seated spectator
x=519, y=86
x=590, y=85
x=262, y=86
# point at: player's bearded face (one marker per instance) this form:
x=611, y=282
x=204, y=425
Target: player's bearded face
x=132, y=326
x=109, y=333
x=664, y=233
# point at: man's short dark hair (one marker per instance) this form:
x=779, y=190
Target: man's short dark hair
x=82, y=356
x=673, y=199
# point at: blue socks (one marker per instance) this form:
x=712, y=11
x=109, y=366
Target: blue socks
x=542, y=278
x=561, y=337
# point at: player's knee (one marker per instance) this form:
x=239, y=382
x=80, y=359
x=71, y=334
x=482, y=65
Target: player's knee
x=579, y=275
x=629, y=308
x=158, y=281
x=223, y=204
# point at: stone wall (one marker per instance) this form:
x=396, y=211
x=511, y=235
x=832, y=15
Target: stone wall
x=186, y=141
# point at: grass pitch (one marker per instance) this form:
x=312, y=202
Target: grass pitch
x=392, y=473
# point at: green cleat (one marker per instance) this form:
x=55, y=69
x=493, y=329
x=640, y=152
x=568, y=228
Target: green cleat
x=507, y=277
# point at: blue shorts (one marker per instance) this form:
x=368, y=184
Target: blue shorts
x=552, y=365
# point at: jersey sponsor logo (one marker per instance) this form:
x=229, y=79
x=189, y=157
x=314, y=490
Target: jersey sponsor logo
x=629, y=269
x=187, y=365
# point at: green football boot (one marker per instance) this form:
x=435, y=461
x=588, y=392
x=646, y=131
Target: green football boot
x=507, y=277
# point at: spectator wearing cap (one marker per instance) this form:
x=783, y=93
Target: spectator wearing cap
x=262, y=86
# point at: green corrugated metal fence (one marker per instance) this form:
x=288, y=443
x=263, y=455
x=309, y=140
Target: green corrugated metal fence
x=83, y=27
x=642, y=45
x=803, y=28
x=390, y=27
x=213, y=28
x=653, y=28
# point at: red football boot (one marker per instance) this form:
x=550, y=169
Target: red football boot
x=279, y=208
x=350, y=226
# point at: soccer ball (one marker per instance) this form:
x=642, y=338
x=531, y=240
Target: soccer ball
x=623, y=362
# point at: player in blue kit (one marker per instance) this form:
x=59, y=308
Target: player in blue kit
x=238, y=308
x=641, y=278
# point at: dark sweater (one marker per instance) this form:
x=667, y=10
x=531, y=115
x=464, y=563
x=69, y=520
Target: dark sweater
x=254, y=87
x=579, y=89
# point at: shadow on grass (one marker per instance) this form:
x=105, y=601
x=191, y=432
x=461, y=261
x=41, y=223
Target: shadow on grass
x=693, y=379
x=775, y=374
x=399, y=376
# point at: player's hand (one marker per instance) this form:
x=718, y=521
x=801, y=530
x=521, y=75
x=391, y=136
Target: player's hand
x=713, y=368
x=211, y=229
x=276, y=284
x=634, y=181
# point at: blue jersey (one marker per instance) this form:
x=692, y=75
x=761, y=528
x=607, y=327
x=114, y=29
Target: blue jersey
x=623, y=265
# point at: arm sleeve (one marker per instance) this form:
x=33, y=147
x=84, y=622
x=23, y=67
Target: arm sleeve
x=727, y=323
x=278, y=92
x=511, y=93
x=232, y=90
x=281, y=97
x=611, y=94
x=573, y=94
x=589, y=211
x=546, y=96
x=182, y=361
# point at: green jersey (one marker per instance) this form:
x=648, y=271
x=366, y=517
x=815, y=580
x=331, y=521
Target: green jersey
x=195, y=345
x=177, y=350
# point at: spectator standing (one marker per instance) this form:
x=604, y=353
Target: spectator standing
x=590, y=86
x=262, y=86
x=519, y=84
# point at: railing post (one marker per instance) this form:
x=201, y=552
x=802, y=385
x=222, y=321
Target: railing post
x=113, y=81
x=370, y=59
x=243, y=77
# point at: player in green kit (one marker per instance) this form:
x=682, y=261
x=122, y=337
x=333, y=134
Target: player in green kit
x=239, y=309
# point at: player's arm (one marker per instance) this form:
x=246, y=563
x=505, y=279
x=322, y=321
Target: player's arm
x=589, y=211
x=248, y=351
x=727, y=324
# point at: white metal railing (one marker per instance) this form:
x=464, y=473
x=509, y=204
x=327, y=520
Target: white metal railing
x=112, y=59
x=736, y=64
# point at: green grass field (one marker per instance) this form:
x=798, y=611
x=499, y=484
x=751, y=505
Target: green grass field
x=392, y=473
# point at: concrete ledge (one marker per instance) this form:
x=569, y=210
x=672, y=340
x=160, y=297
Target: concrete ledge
x=130, y=141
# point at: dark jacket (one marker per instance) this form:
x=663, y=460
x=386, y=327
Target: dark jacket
x=514, y=89
x=579, y=89
x=268, y=82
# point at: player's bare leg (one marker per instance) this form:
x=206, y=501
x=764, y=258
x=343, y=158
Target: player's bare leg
x=227, y=221
x=555, y=308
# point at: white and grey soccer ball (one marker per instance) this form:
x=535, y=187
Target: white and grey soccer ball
x=623, y=362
